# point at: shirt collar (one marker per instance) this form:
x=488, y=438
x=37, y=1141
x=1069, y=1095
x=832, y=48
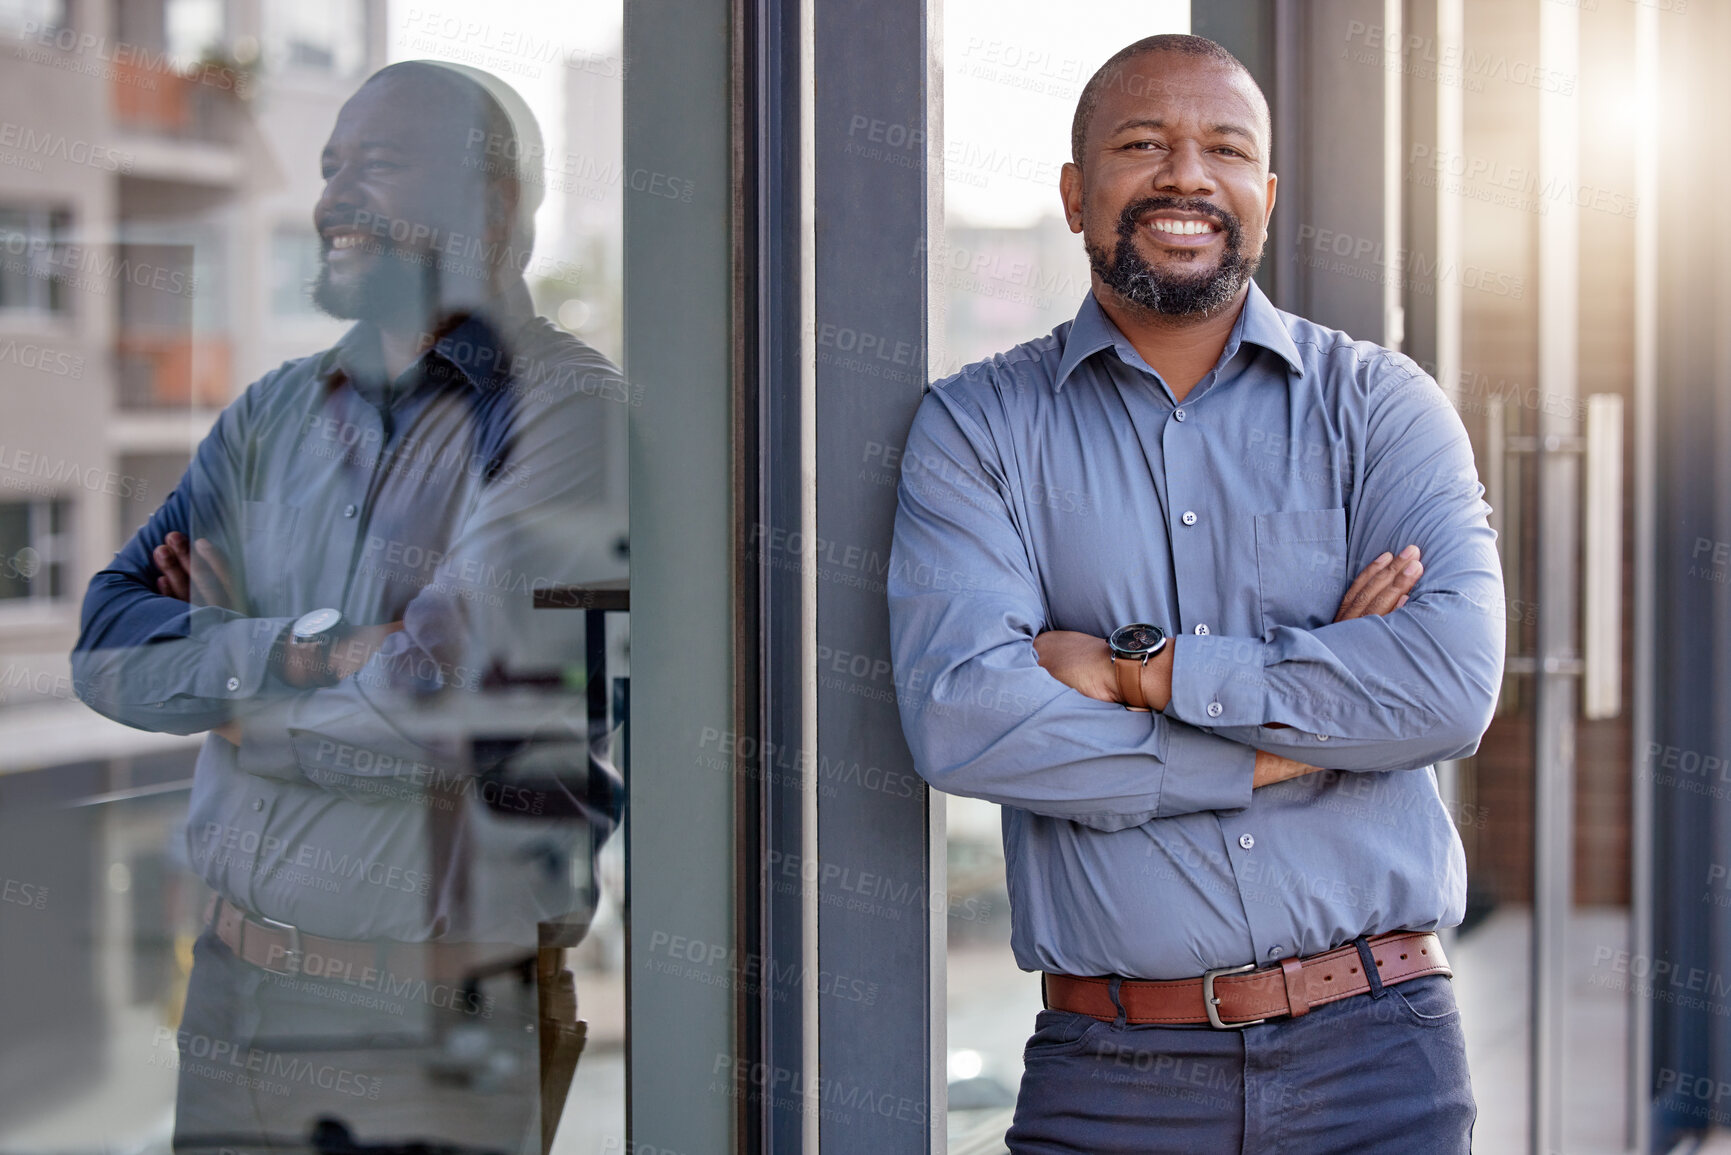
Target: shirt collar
x=1258, y=324
x=478, y=345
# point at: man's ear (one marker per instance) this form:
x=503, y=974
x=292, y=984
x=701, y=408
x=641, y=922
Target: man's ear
x=502, y=197
x=1070, y=190
x=1269, y=213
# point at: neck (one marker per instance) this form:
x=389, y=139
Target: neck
x=400, y=347
x=403, y=339
x=1181, y=349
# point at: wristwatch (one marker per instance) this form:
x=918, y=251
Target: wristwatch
x=1132, y=646
x=318, y=628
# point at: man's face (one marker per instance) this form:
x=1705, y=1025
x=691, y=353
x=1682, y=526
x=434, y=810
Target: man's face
x=397, y=196
x=1173, y=195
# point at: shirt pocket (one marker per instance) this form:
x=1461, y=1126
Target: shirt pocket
x=1300, y=566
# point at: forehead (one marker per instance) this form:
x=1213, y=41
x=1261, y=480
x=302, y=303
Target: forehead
x=415, y=115
x=1181, y=90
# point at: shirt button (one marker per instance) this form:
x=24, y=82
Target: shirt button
x=258, y=803
x=233, y=684
x=1322, y=737
x=1189, y=517
x=1215, y=709
x=1273, y=951
x=1247, y=841
x=350, y=511
x=1202, y=628
x=1178, y=415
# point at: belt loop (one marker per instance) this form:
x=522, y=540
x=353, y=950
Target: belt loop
x=1368, y=961
x=1123, y=1016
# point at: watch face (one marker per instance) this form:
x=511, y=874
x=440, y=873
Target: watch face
x=311, y=625
x=1136, y=640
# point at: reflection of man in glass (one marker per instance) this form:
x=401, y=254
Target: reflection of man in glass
x=340, y=590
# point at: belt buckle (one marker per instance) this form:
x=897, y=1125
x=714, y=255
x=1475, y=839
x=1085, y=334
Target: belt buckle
x=293, y=957
x=1211, y=1002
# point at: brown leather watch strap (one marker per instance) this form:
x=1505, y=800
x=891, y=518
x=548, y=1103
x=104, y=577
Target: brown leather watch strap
x=1290, y=989
x=1129, y=671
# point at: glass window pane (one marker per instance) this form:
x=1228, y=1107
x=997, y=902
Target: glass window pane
x=262, y=865
x=317, y=36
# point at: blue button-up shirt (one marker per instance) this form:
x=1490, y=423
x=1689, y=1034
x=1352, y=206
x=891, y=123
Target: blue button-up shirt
x=1058, y=486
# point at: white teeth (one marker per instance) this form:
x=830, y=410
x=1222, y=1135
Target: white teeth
x=345, y=240
x=1183, y=228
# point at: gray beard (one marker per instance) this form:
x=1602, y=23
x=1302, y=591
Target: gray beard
x=1129, y=274
x=398, y=286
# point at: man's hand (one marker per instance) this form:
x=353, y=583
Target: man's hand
x=1080, y=661
x=193, y=571
x=1382, y=587
x=1272, y=768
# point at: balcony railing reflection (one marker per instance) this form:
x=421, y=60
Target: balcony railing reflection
x=204, y=105
x=173, y=370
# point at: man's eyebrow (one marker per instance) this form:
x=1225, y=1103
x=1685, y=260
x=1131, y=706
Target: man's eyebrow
x=365, y=146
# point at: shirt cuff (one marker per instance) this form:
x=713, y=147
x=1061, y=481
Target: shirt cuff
x=236, y=659
x=1204, y=772
x=1219, y=681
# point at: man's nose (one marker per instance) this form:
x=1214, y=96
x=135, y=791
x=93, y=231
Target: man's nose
x=338, y=194
x=1185, y=171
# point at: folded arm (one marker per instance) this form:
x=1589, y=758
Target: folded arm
x=1376, y=692
x=981, y=716
x=1085, y=664
x=165, y=649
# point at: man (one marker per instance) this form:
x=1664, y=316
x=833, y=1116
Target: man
x=340, y=590
x=1243, y=843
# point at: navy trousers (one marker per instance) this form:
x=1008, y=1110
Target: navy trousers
x=1374, y=1074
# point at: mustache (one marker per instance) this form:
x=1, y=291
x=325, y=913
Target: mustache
x=1137, y=210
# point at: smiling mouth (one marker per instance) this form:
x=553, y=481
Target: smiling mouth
x=1173, y=226
x=338, y=241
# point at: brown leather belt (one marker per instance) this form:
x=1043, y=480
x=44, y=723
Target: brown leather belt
x=1230, y=998
x=287, y=950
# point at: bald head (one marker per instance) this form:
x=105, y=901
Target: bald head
x=470, y=116
x=1129, y=70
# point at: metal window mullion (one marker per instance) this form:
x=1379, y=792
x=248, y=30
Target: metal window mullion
x=1558, y=476
x=1642, y=811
